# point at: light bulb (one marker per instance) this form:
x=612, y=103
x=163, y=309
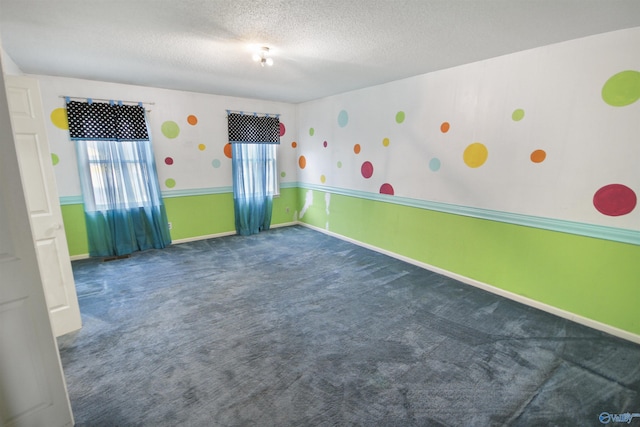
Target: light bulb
x=256, y=57
x=269, y=62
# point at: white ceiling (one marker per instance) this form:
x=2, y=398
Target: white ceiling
x=320, y=47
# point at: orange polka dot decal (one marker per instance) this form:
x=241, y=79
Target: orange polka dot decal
x=356, y=148
x=538, y=156
x=227, y=150
x=192, y=120
x=302, y=162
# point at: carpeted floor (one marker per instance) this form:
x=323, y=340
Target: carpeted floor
x=292, y=327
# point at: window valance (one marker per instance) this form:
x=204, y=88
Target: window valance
x=100, y=121
x=253, y=128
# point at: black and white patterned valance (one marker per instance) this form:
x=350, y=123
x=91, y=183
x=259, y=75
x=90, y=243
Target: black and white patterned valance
x=252, y=128
x=106, y=121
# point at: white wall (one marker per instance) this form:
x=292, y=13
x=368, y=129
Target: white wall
x=8, y=66
x=589, y=144
x=199, y=161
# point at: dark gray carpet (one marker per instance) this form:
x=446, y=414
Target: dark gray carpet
x=295, y=328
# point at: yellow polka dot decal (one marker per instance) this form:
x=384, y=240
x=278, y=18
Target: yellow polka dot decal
x=59, y=118
x=475, y=155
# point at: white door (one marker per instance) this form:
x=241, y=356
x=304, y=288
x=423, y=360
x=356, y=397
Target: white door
x=32, y=387
x=34, y=159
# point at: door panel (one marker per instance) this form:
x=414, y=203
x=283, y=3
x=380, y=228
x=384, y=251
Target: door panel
x=38, y=180
x=32, y=386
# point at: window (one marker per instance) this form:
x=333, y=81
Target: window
x=124, y=211
x=254, y=139
x=126, y=174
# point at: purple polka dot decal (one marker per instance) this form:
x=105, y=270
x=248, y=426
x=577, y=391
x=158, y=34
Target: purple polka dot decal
x=386, y=188
x=367, y=169
x=324, y=144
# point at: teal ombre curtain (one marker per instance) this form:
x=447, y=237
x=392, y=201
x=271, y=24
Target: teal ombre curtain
x=254, y=140
x=124, y=210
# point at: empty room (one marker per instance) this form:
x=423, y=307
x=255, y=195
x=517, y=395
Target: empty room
x=314, y=213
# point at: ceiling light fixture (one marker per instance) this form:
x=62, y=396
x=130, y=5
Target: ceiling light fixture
x=263, y=57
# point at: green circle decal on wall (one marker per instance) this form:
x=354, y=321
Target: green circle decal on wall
x=170, y=129
x=622, y=89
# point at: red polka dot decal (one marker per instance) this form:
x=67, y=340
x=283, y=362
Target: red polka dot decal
x=386, y=188
x=366, y=170
x=282, y=129
x=615, y=200
x=168, y=160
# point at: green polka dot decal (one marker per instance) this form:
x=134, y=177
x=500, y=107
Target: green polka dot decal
x=55, y=159
x=622, y=89
x=517, y=115
x=400, y=117
x=170, y=182
x=283, y=174
x=170, y=129
x=311, y=131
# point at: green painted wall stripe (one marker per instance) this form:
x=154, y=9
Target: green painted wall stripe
x=191, y=216
x=76, y=200
x=593, y=278
x=589, y=230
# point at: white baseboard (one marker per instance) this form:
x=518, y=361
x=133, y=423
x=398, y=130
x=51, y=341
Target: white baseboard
x=226, y=233
x=196, y=238
x=285, y=224
x=205, y=237
x=621, y=333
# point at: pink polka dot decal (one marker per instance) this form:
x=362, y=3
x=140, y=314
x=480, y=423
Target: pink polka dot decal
x=366, y=169
x=386, y=188
x=282, y=129
x=615, y=200
x=168, y=160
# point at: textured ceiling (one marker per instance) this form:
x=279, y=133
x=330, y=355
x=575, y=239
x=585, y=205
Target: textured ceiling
x=320, y=47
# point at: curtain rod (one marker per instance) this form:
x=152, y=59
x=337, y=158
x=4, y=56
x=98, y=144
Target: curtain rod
x=253, y=113
x=104, y=99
